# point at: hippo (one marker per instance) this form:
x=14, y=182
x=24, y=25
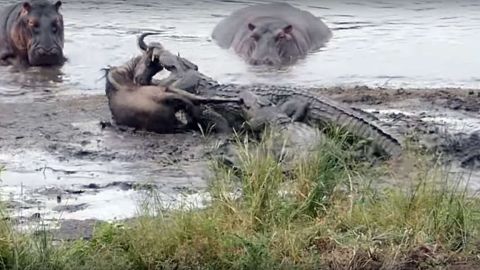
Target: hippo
x=32, y=34
x=271, y=34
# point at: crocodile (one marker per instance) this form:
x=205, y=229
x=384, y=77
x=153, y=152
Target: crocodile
x=288, y=140
x=320, y=111
x=290, y=137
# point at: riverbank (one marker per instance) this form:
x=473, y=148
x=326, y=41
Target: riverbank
x=330, y=212
x=62, y=163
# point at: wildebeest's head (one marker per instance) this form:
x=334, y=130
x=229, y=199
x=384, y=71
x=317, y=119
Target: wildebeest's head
x=271, y=44
x=149, y=64
x=39, y=32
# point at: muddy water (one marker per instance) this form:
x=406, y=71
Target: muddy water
x=389, y=42
x=60, y=163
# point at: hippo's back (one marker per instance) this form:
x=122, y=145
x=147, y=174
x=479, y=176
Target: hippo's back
x=316, y=31
x=5, y=16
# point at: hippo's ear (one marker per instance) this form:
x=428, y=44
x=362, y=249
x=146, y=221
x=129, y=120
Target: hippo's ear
x=26, y=7
x=251, y=26
x=58, y=4
x=288, y=29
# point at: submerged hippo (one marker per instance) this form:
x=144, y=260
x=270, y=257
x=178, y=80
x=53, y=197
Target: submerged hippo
x=32, y=34
x=271, y=34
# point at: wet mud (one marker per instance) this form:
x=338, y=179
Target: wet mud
x=62, y=162
x=442, y=122
x=66, y=167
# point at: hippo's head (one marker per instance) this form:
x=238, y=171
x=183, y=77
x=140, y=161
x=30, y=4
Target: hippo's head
x=271, y=44
x=39, y=32
x=149, y=63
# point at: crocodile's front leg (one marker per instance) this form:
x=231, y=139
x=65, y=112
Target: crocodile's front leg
x=210, y=120
x=295, y=109
x=291, y=139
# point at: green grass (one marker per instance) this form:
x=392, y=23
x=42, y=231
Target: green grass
x=327, y=213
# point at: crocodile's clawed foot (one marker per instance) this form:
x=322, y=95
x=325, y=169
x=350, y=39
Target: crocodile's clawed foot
x=296, y=109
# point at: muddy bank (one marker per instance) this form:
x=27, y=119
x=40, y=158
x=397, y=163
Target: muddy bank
x=444, y=122
x=61, y=163
x=455, y=99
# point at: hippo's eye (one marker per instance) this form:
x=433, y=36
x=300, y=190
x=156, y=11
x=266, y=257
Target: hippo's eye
x=33, y=24
x=256, y=37
x=54, y=28
x=281, y=36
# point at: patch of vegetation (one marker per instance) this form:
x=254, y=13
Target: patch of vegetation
x=329, y=212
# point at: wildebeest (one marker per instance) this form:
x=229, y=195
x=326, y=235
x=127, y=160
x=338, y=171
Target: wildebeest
x=135, y=103
x=271, y=34
x=32, y=34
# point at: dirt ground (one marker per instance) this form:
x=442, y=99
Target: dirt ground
x=445, y=121
x=62, y=163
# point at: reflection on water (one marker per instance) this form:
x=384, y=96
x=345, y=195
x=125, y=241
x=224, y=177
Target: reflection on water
x=36, y=182
x=392, y=43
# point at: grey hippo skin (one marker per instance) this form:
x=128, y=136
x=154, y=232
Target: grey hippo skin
x=271, y=34
x=32, y=34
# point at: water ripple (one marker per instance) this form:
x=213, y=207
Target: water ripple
x=415, y=43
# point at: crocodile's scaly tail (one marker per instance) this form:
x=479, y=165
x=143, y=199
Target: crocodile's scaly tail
x=356, y=124
x=366, y=129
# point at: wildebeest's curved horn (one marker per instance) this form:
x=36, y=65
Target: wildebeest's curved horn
x=141, y=41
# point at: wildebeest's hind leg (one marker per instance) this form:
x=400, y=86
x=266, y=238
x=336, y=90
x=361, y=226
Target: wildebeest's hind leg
x=210, y=120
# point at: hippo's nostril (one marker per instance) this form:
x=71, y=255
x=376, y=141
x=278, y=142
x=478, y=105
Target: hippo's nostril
x=54, y=50
x=48, y=52
x=268, y=61
x=41, y=51
x=254, y=62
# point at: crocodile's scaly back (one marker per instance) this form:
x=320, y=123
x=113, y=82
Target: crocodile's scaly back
x=327, y=110
x=321, y=110
x=290, y=140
